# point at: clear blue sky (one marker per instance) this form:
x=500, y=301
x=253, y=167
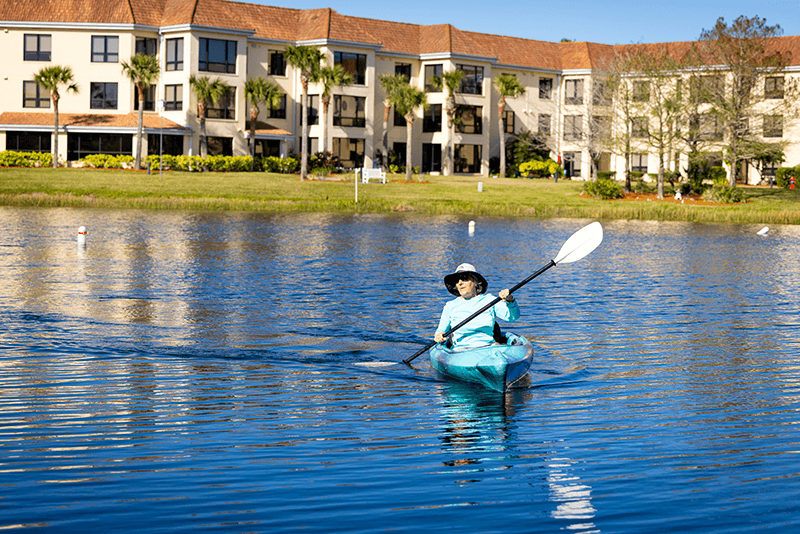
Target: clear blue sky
x=607, y=21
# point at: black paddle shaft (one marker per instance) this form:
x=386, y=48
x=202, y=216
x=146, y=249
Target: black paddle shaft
x=486, y=307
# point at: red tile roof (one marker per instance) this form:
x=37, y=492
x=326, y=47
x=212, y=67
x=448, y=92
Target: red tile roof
x=295, y=25
x=127, y=120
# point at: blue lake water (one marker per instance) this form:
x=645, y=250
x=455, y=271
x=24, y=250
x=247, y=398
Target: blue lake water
x=203, y=372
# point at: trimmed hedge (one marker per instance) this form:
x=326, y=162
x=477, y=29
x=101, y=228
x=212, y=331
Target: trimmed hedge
x=10, y=158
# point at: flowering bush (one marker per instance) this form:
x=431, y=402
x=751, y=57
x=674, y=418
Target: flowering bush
x=540, y=169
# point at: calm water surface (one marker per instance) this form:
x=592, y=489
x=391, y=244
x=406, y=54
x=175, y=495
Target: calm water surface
x=189, y=372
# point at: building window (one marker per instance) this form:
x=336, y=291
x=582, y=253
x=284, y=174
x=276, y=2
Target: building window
x=173, y=97
x=545, y=88
x=217, y=55
x=349, y=151
x=103, y=95
x=268, y=147
x=312, y=110
x=433, y=78
x=472, y=82
x=773, y=125
x=707, y=127
x=468, y=158
x=432, y=119
x=28, y=141
x=277, y=63
x=105, y=49
x=34, y=96
x=431, y=157
x=279, y=111
x=601, y=96
x=149, y=98
x=37, y=47
x=544, y=125
x=220, y=146
x=705, y=88
x=399, y=120
x=573, y=127
x=146, y=46
x=470, y=119
x=641, y=91
x=773, y=87
x=508, y=121
x=224, y=108
x=639, y=163
x=80, y=145
x=399, y=157
x=639, y=127
x=175, y=54
x=404, y=69
x=349, y=111
x=168, y=145
x=573, y=92
x=355, y=64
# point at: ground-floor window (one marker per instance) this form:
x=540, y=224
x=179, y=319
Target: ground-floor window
x=220, y=146
x=431, y=157
x=572, y=164
x=468, y=158
x=349, y=151
x=639, y=163
x=398, y=155
x=171, y=145
x=80, y=145
x=29, y=141
x=268, y=147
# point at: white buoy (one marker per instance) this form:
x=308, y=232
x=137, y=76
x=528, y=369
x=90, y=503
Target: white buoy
x=82, y=235
x=763, y=231
x=471, y=227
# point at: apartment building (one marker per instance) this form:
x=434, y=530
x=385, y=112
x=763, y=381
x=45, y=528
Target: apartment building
x=235, y=41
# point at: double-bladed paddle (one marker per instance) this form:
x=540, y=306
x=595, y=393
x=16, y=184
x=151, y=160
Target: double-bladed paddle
x=578, y=246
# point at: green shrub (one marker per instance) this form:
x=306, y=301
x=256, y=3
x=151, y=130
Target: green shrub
x=784, y=175
x=540, y=168
x=11, y=158
x=718, y=175
x=724, y=194
x=606, y=175
x=603, y=189
x=107, y=161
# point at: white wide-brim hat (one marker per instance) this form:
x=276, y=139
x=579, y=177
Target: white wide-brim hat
x=451, y=279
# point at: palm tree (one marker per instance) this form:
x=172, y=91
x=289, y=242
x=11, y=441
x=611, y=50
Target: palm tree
x=307, y=60
x=451, y=81
x=406, y=100
x=258, y=90
x=328, y=77
x=143, y=71
x=390, y=83
x=208, y=92
x=53, y=79
x=509, y=87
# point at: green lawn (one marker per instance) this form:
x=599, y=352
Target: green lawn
x=434, y=195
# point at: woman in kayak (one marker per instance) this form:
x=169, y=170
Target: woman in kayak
x=470, y=288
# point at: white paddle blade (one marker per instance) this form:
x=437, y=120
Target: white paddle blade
x=581, y=243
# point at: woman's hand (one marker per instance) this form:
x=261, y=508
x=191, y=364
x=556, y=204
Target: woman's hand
x=506, y=295
x=439, y=337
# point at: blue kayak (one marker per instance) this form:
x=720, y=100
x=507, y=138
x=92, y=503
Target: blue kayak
x=494, y=366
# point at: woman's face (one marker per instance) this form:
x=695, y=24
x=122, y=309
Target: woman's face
x=467, y=287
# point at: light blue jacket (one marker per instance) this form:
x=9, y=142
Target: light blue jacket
x=479, y=331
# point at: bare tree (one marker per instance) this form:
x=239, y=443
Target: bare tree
x=751, y=73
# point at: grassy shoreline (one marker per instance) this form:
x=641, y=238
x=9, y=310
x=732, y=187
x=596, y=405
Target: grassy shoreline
x=435, y=195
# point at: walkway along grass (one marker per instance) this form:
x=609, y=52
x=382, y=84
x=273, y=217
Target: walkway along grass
x=434, y=195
